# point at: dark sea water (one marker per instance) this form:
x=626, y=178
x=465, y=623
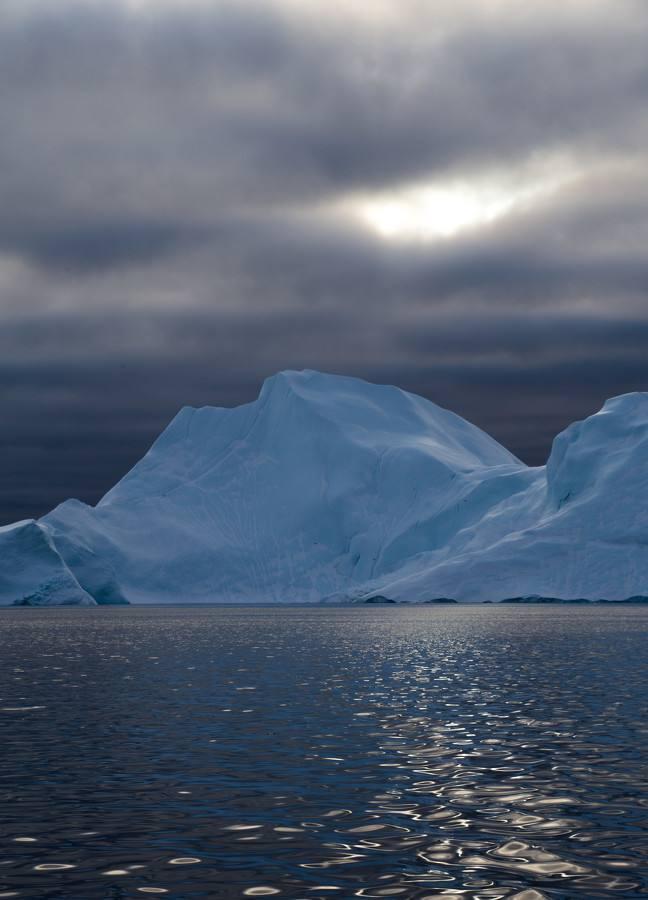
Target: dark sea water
x=456, y=752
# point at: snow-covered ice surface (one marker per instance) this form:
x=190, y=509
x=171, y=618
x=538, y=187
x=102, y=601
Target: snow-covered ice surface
x=332, y=488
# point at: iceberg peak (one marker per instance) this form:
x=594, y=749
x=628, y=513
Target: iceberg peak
x=601, y=452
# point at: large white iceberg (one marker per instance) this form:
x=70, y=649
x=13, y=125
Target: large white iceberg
x=332, y=488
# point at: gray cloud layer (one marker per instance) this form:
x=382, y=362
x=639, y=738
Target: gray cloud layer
x=174, y=180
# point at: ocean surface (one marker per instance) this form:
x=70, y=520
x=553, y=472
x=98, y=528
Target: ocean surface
x=455, y=752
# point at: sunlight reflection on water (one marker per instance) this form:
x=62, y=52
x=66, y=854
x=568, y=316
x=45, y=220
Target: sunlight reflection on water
x=409, y=752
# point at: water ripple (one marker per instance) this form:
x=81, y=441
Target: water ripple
x=309, y=753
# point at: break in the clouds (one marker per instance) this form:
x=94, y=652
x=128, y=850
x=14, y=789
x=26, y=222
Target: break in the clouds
x=449, y=196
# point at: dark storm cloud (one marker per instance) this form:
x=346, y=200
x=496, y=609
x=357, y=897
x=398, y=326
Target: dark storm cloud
x=177, y=186
x=248, y=103
x=91, y=245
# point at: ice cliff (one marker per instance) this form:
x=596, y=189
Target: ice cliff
x=332, y=488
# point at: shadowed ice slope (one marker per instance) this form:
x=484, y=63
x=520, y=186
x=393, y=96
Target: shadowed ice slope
x=329, y=487
x=32, y=572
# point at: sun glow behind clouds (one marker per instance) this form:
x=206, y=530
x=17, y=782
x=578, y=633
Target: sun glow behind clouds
x=440, y=210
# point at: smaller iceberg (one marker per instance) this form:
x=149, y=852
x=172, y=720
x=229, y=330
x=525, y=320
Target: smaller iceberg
x=33, y=572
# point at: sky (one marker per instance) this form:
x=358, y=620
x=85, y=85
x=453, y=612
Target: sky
x=447, y=196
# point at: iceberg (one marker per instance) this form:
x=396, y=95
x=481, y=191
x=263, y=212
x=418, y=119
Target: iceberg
x=32, y=572
x=331, y=488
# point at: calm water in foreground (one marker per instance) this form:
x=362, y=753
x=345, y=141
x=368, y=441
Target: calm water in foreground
x=467, y=752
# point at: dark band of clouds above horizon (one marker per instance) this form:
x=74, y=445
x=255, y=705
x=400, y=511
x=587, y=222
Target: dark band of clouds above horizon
x=447, y=196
